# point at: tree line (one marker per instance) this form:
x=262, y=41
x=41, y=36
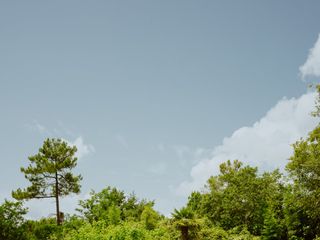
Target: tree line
x=238, y=203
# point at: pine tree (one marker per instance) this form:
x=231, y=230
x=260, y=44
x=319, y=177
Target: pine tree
x=49, y=173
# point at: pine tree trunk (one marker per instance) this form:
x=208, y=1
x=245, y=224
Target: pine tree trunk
x=57, y=201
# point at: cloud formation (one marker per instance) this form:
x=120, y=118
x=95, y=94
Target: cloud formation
x=36, y=126
x=265, y=144
x=311, y=67
x=82, y=148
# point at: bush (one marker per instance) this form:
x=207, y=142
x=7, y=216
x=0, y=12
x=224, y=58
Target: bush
x=11, y=221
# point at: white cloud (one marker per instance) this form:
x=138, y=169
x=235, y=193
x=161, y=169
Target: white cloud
x=82, y=148
x=265, y=144
x=36, y=126
x=312, y=66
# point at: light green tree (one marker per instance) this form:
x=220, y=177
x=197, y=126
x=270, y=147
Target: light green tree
x=49, y=173
x=114, y=215
x=149, y=218
x=98, y=206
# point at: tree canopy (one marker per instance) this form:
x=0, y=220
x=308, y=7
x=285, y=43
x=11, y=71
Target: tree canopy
x=49, y=173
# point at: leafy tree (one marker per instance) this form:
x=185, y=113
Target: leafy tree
x=272, y=226
x=195, y=201
x=304, y=169
x=50, y=173
x=98, y=206
x=239, y=197
x=273, y=189
x=208, y=231
x=42, y=229
x=211, y=204
x=124, y=231
x=149, y=217
x=114, y=215
x=295, y=216
x=242, y=202
x=12, y=221
x=236, y=198
x=132, y=207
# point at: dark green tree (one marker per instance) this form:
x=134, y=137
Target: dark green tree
x=274, y=189
x=239, y=197
x=11, y=220
x=195, y=201
x=184, y=220
x=49, y=173
x=304, y=170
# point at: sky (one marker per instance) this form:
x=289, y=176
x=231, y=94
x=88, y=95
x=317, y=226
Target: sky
x=154, y=94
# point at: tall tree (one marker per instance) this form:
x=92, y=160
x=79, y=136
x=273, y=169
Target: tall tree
x=239, y=197
x=304, y=169
x=302, y=202
x=49, y=173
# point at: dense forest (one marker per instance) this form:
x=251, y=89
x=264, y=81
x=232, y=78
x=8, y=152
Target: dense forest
x=241, y=202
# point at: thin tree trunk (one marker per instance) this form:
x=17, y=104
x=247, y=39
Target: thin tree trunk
x=184, y=233
x=57, y=201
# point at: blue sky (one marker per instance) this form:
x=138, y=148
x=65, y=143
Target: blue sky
x=154, y=93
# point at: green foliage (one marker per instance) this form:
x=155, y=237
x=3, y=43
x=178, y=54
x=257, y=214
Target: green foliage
x=274, y=216
x=164, y=231
x=127, y=232
x=244, y=234
x=238, y=204
x=42, y=229
x=194, y=202
x=294, y=215
x=49, y=173
x=124, y=231
x=149, y=218
x=273, y=227
x=109, y=203
x=96, y=231
x=73, y=222
x=12, y=221
x=206, y=231
x=114, y=215
x=304, y=170
x=182, y=214
x=238, y=196
x=184, y=220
